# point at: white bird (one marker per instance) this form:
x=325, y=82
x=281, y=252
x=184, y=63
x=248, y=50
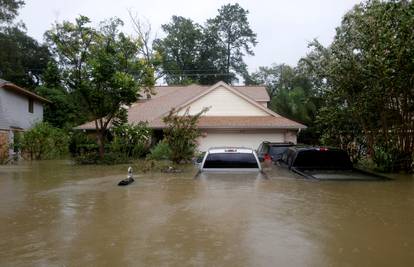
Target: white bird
x=130, y=172
x=129, y=178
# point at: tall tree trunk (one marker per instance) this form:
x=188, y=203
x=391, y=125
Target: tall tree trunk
x=100, y=137
x=101, y=144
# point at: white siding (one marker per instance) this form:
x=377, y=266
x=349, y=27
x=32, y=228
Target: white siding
x=291, y=136
x=263, y=103
x=223, y=102
x=15, y=110
x=250, y=139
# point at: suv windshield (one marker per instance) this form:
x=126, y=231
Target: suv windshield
x=231, y=160
x=315, y=159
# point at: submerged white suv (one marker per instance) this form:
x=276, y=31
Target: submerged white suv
x=230, y=159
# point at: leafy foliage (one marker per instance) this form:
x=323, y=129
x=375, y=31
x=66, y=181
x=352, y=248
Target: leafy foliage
x=101, y=66
x=160, y=151
x=368, y=71
x=131, y=140
x=44, y=142
x=9, y=10
x=232, y=31
x=22, y=59
x=181, y=134
x=292, y=93
x=193, y=53
x=180, y=50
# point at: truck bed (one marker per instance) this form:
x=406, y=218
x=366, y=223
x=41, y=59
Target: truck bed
x=345, y=175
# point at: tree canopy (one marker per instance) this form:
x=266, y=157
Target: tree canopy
x=9, y=10
x=22, y=59
x=232, y=31
x=102, y=67
x=180, y=50
x=369, y=73
x=206, y=54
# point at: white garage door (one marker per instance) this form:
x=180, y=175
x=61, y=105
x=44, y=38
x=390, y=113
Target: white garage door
x=245, y=139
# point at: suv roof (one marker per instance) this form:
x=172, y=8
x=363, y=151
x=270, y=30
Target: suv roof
x=277, y=143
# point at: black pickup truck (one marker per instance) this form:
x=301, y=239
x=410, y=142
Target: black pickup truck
x=324, y=164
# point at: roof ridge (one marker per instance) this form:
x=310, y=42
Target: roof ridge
x=258, y=85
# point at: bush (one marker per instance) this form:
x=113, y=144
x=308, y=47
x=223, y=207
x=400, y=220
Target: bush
x=44, y=142
x=181, y=134
x=130, y=140
x=390, y=159
x=161, y=151
x=80, y=143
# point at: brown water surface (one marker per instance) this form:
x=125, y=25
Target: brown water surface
x=53, y=213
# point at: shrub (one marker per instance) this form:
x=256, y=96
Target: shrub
x=44, y=142
x=161, y=151
x=130, y=140
x=181, y=134
x=389, y=159
x=80, y=143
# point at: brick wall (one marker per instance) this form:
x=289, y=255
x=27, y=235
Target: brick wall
x=4, y=145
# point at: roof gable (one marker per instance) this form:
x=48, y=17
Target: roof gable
x=226, y=105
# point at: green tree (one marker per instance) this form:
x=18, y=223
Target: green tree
x=181, y=134
x=9, y=10
x=368, y=71
x=101, y=66
x=180, y=50
x=62, y=112
x=231, y=29
x=22, y=59
x=291, y=91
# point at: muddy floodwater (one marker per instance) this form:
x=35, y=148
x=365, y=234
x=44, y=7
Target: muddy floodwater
x=53, y=213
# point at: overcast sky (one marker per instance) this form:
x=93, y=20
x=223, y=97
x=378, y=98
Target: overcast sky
x=283, y=27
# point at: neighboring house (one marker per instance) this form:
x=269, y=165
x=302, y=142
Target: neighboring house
x=238, y=115
x=19, y=110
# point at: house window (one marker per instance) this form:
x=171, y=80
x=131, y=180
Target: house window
x=30, y=105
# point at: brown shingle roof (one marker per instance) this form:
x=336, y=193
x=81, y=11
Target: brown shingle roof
x=169, y=97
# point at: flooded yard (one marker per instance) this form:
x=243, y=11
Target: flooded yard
x=53, y=213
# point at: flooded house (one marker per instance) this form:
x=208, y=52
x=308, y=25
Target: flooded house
x=19, y=110
x=237, y=115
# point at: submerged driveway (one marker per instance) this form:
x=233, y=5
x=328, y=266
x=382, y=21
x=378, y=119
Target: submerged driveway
x=55, y=213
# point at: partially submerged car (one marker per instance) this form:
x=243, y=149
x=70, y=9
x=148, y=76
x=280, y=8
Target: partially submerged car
x=274, y=150
x=230, y=159
x=324, y=164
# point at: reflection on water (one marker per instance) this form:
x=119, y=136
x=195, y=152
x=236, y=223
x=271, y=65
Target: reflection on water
x=55, y=213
